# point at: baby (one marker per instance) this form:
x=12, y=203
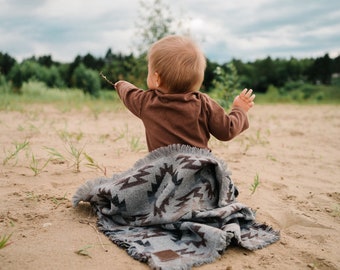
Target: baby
x=173, y=110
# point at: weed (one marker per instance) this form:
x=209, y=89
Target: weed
x=94, y=164
x=84, y=251
x=255, y=184
x=55, y=155
x=103, y=137
x=36, y=167
x=258, y=139
x=74, y=151
x=59, y=200
x=134, y=143
x=120, y=136
x=76, y=154
x=4, y=240
x=14, y=154
x=271, y=157
x=67, y=136
x=30, y=195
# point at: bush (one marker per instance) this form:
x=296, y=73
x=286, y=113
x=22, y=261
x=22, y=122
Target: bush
x=4, y=87
x=302, y=93
x=86, y=79
x=31, y=70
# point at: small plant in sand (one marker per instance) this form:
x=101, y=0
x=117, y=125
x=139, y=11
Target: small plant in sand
x=134, y=143
x=132, y=140
x=255, y=184
x=91, y=163
x=84, y=251
x=258, y=139
x=55, y=156
x=75, y=151
x=271, y=157
x=4, y=240
x=36, y=166
x=59, y=200
x=14, y=154
x=30, y=195
x=76, y=155
x=67, y=136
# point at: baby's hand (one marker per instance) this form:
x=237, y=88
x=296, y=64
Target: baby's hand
x=245, y=99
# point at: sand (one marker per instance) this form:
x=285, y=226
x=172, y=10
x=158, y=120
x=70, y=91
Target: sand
x=293, y=149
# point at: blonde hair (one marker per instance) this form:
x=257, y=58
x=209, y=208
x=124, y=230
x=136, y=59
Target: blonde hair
x=179, y=63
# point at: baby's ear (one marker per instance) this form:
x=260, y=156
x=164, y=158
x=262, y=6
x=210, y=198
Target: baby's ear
x=158, y=79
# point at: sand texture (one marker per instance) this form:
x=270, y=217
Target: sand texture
x=294, y=150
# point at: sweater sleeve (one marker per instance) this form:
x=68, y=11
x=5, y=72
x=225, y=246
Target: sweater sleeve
x=131, y=95
x=225, y=126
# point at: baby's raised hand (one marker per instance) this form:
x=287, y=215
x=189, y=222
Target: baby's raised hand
x=245, y=99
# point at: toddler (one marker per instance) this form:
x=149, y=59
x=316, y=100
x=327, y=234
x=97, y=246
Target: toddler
x=173, y=110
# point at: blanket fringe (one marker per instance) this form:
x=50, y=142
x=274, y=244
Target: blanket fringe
x=174, y=148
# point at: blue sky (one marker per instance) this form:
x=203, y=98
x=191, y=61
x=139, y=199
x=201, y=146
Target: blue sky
x=225, y=29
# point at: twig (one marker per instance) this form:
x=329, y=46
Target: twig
x=106, y=79
x=91, y=225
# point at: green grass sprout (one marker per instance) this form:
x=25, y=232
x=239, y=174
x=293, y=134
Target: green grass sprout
x=14, y=154
x=255, y=184
x=4, y=240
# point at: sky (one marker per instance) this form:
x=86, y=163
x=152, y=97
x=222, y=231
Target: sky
x=224, y=29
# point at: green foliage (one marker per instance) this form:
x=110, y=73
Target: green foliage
x=91, y=163
x=4, y=240
x=10, y=155
x=284, y=80
x=31, y=70
x=225, y=85
x=33, y=91
x=6, y=63
x=36, y=166
x=301, y=92
x=86, y=79
x=4, y=86
x=255, y=184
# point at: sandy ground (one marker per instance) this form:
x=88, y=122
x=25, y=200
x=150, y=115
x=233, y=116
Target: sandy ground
x=293, y=149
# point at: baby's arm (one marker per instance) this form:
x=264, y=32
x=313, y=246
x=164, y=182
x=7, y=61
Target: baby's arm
x=245, y=100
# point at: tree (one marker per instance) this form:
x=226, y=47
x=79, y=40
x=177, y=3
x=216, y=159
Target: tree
x=336, y=65
x=321, y=70
x=209, y=75
x=32, y=70
x=155, y=21
x=6, y=63
x=225, y=85
x=45, y=60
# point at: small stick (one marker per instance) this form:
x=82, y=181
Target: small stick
x=106, y=79
x=100, y=240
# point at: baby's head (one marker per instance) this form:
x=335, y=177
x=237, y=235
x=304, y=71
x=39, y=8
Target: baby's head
x=176, y=64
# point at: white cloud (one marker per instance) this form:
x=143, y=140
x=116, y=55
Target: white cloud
x=225, y=29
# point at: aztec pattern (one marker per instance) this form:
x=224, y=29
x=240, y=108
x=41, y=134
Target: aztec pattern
x=174, y=209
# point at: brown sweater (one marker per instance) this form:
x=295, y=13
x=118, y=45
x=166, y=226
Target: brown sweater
x=187, y=118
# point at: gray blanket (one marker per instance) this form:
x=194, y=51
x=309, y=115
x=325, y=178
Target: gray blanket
x=174, y=209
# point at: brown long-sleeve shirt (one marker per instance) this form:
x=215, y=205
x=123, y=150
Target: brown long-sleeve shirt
x=186, y=118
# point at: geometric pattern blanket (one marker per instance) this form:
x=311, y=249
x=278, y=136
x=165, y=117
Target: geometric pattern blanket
x=174, y=209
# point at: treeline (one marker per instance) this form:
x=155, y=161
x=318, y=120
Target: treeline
x=84, y=71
